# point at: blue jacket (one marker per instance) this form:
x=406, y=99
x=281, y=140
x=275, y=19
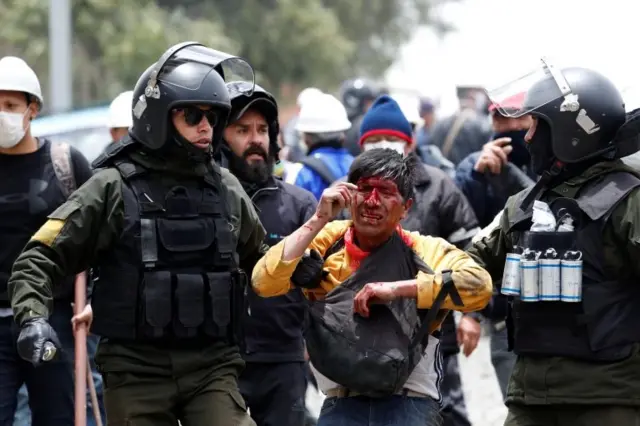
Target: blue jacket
x=483, y=199
x=338, y=160
x=423, y=136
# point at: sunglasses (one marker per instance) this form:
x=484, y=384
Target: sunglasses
x=193, y=116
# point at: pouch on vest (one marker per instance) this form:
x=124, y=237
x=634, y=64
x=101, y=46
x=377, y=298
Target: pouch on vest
x=157, y=309
x=220, y=286
x=190, y=292
x=375, y=355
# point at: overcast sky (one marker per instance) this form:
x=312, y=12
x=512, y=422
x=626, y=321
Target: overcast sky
x=499, y=40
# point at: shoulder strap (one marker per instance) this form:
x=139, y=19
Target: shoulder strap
x=335, y=247
x=600, y=198
x=448, y=289
x=113, y=151
x=454, y=131
x=128, y=169
x=61, y=159
x=318, y=166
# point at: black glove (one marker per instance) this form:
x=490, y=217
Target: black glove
x=37, y=342
x=309, y=272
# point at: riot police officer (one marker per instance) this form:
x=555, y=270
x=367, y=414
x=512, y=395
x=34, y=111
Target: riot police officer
x=165, y=230
x=578, y=344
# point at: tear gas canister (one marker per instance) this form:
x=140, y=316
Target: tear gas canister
x=571, y=276
x=530, y=268
x=511, y=274
x=549, y=272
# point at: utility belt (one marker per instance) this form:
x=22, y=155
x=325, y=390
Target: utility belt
x=545, y=268
x=342, y=392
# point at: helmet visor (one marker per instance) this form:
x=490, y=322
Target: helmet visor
x=530, y=90
x=231, y=68
x=239, y=88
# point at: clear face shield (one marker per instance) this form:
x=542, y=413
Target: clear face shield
x=543, y=84
x=232, y=68
x=239, y=88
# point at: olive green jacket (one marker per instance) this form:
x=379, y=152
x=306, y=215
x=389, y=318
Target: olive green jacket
x=557, y=380
x=89, y=224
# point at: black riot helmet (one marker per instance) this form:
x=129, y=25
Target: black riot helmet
x=261, y=100
x=356, y=92
x=186, y=74
x=581, y=109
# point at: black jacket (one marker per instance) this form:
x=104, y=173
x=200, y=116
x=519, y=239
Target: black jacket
x=273, y=327
x=29, y=192
x=439, y=208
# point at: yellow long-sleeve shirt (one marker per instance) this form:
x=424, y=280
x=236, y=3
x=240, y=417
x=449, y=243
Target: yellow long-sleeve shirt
x=272, y=276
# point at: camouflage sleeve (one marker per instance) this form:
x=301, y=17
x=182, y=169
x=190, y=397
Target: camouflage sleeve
x=490, y=246
x=245, y=221
x=625, y=229
x=87, y=224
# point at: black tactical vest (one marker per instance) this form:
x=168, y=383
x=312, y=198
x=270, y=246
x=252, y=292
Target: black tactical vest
x=604, y=325
x=171, y=275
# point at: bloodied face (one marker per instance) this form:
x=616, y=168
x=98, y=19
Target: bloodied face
x=377, y=208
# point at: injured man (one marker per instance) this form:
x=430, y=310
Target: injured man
x=377, y=295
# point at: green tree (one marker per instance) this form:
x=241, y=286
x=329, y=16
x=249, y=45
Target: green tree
x=318, y=41
x=286, y=41
x=114, y=41
x=380, y=27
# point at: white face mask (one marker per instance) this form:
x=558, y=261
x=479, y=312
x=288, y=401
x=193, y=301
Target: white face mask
x=397, y=146
x=11, y=128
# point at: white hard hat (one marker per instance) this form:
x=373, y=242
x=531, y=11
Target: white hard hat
x=17, y=76
x=120, y=111
x=323, y=114
x=306, y=94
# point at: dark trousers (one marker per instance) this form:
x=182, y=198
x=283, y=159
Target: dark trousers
x=275, y=392
x=502, y=360
x=572, y=415
x=50, y=386
x=454, y=410
x=151, y=386
x=395, y=410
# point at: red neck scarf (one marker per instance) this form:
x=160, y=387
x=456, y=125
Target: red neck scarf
x=357, y=255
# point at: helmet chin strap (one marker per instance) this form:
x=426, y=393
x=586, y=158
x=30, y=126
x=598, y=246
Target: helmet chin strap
x=547, y=177
x=192, y=153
